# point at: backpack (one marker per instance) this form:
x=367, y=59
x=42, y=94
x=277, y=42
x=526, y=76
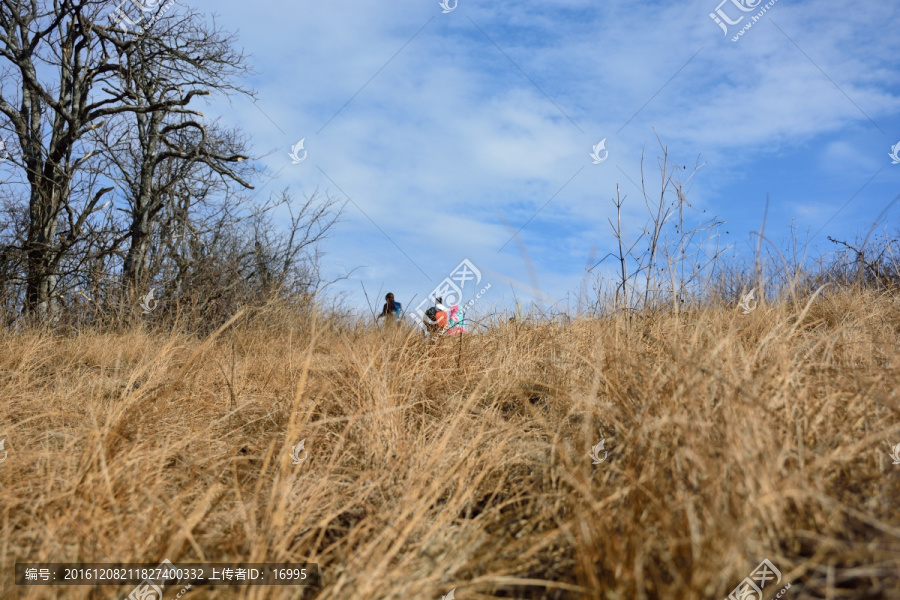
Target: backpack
x=398, y=309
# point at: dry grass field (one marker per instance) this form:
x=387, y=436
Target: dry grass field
x=464, y=463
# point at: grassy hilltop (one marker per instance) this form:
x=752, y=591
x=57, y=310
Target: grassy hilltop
x=464, y=463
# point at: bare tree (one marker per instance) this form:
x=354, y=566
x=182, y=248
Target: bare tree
x=124, y=181
x=62, y=77
x=232, y=253
x=161, y=147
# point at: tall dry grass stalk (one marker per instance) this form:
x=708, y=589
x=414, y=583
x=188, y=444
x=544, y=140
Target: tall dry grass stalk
x=464, y=463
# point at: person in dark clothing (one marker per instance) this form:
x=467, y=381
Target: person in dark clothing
x=391, y=310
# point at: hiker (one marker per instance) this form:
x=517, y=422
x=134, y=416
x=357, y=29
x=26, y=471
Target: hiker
x=457, y=323
x=436, y=317
x=391, y=310
x=443, y=313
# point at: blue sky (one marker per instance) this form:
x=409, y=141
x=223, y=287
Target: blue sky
x=450, y=131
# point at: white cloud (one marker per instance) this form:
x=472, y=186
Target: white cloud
x=450, y=138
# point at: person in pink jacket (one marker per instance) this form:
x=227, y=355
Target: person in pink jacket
x=456, y=324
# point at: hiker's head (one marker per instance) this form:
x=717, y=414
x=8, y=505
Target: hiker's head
x=389, y=297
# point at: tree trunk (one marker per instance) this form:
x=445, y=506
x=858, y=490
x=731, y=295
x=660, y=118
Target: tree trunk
x=42, y=260
x=135, y=266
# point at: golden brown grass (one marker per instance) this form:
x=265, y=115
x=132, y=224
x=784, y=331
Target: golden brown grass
x=464, y=464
